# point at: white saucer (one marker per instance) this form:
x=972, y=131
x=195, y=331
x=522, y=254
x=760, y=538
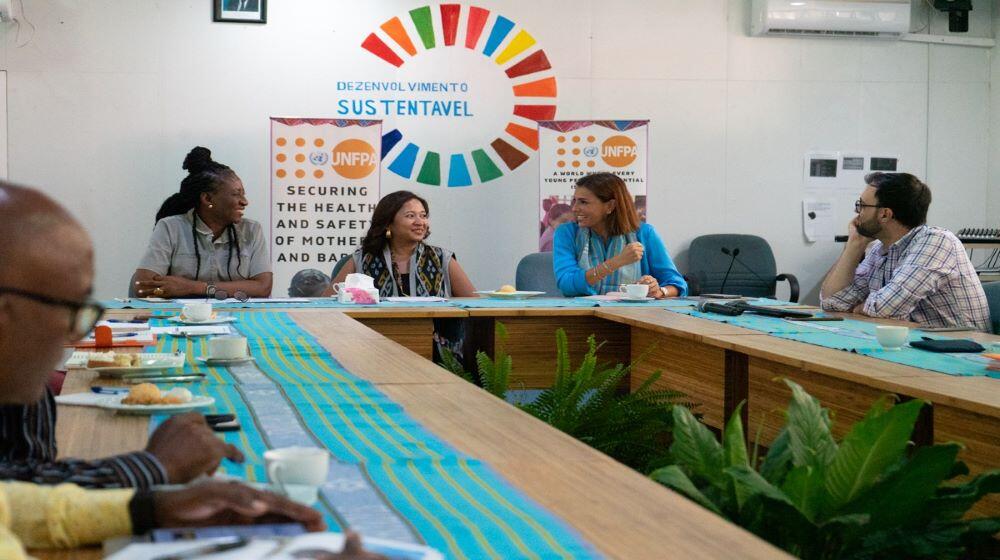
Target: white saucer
x=523, y=294
x=637, y=300
x=208, y=361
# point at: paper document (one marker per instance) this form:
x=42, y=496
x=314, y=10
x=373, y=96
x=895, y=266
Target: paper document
x=278, y=549
x=117, y=327
x=817, y=219
x=136, y=338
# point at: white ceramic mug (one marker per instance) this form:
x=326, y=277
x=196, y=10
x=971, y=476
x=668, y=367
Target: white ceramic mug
x=635, y=291
x=227, y=347
x=338, y=287
x=297, y=472
x=892, y=337
x=198, y=311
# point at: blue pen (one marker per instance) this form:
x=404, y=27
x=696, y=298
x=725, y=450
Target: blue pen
x=109, y=390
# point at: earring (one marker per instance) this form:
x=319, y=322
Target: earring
x=388, y=234
x=211, y=206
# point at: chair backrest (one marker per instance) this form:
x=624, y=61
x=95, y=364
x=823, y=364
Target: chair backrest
x=708, y=264
x=308, y=282
x=535, y=273
x=992, y=290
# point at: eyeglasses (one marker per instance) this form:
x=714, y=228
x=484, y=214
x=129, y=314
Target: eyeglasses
x=84, y=315
x=858, y=206
x=238, y=295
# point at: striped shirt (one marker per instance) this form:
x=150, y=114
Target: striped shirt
x=28, y=453
x=925, y=277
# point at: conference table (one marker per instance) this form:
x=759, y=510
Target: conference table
x=618, y=511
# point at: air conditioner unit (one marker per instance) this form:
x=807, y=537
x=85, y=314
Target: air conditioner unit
x=830, y=18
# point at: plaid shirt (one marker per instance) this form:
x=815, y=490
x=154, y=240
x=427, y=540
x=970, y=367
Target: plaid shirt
x=28, y=453
x=925, y=277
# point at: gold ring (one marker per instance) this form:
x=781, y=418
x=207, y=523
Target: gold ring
x=158, y=292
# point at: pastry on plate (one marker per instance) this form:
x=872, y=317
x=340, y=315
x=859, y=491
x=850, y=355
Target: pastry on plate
x=147, y=393
x=113, y=359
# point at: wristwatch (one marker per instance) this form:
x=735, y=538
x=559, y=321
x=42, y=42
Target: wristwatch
x=210, y=290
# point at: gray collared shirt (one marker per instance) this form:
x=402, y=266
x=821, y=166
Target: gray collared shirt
x=171, y=251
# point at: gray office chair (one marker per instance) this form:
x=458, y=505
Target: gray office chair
x=992, y=290
x=535, y=273
x=308, y=282
x=751, y=273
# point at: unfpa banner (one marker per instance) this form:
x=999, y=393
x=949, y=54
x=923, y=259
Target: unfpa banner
x=569, y=150
x=324, y=188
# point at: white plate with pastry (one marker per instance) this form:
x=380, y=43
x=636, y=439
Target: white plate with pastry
x=147, y=398
x=117, y=364
x=508, y=292
x=113, y=402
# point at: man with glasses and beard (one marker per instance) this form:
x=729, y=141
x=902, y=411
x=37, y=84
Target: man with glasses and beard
x=46, y=270
x=908, y=270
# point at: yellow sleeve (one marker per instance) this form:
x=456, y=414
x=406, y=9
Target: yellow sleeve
x=63, y=516
x=10, y=547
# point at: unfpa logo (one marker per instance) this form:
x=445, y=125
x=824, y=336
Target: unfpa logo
x=619, y=151
x=354, y=159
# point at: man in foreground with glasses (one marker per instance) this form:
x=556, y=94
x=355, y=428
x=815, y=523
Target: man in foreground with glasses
x=46, y=270
x=180, y=450
x=908, y=270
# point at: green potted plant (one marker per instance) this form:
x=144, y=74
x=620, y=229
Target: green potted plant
x=588, y=403
x=868, y=496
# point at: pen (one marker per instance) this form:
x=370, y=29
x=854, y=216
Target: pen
x=108, y=390
x=164, y=379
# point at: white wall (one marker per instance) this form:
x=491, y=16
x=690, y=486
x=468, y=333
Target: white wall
x=107, y=97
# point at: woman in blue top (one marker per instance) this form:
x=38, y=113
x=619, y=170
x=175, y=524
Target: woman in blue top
x=608, y=246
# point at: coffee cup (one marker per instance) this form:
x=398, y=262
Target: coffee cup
x=635, y=291
x=297, y=472
x=892, y=337
x=228, y=347
x=338, y=287
x=198, y=311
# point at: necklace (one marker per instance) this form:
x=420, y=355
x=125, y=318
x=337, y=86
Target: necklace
x=397, y=277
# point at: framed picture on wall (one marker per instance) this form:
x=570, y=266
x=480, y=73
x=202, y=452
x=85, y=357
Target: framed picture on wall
x=240, y=11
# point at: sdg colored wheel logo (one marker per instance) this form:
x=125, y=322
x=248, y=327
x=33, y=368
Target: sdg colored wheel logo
x=510, y=50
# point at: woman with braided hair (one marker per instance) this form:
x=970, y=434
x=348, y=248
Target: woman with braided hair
x=201, y=245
